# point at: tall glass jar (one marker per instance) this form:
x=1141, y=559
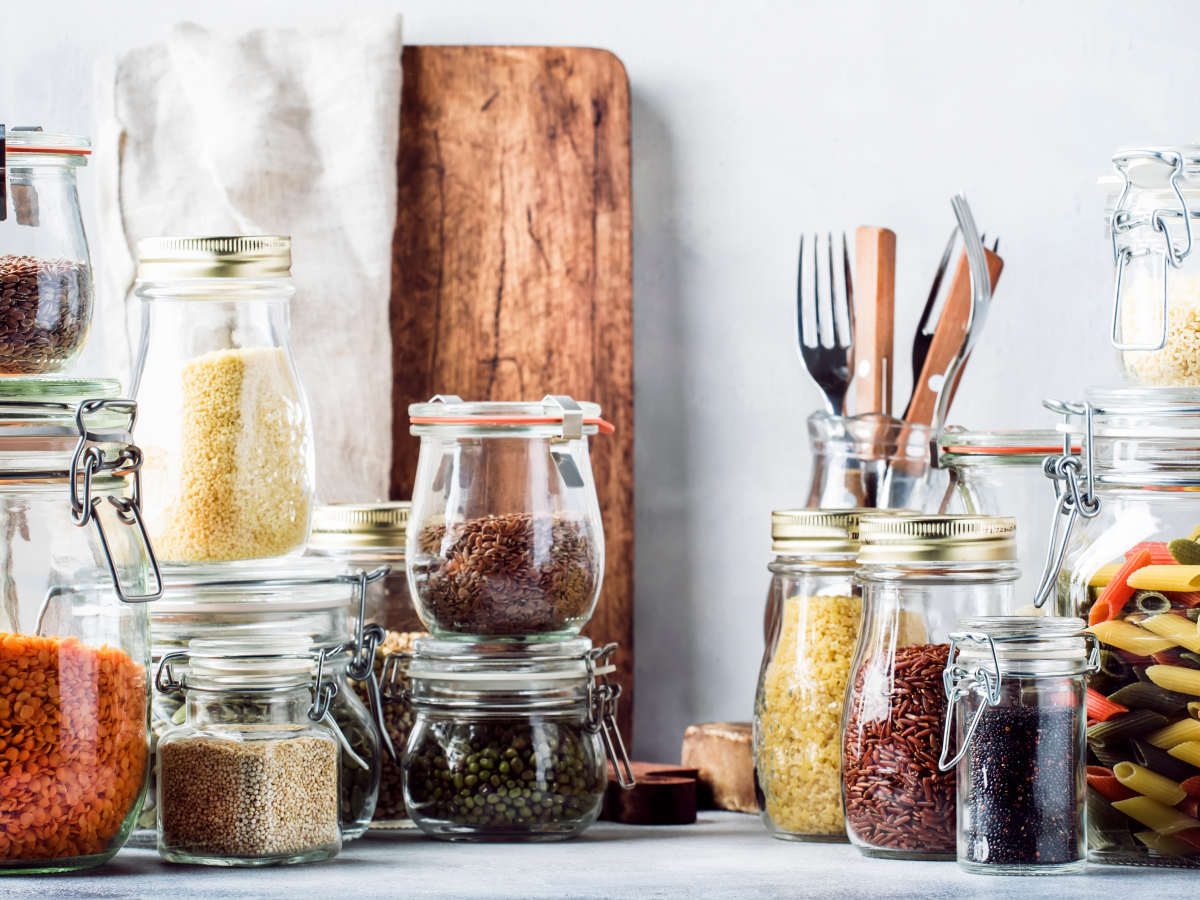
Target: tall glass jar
x=506, y=538
x=74, y=626
x=46, y=293
x=798, y=704
x=370, y=535
x=226, y=429
x=1130, y=570
x=1153, y=199
x=919, y=575
x=251, y=776
x=510, y=740
x=1018, y=714
x=999, y=473
x=313, y=599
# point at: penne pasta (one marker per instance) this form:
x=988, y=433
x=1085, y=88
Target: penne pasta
x=1141, y=695
x=1165, y=843
x=1165, y=578
x=1100, y=708
x=1122, y=728
x=1161, y=761
x=1155, y=815
x=1189, y=752
x=1178, y=629
x=1150, y=784
x=1174, y=678
x=1192, y=786
x=1130, y=638
x=1117, y=592
x=1193, y=709
x=1104, y=575
x=1175, y=733
x=1106, y=828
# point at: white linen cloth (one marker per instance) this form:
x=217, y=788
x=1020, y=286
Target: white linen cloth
x=273, y=131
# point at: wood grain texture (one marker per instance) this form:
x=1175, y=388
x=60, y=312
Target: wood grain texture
x=512, y=268
x=874, y=306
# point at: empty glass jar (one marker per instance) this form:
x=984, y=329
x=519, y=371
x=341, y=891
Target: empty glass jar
x=46, y=293
x=1018, y=717
x=872, y=460
x=505, y=538
x=226, y=429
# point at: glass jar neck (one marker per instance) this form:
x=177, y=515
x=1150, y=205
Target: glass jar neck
x=814, y=563
x=238, y=709
x=937, y=571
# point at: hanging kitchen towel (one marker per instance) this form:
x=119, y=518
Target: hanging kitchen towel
x=274, y=131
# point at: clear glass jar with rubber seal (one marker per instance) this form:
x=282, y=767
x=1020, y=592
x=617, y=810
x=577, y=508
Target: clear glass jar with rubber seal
x=919, y=575
x=78, y=571
x=1125, y=557
x=46, y=288
x=511, y=741
x=505, y=539
x=250, y=778
x=1017, y=714
x=318, y=600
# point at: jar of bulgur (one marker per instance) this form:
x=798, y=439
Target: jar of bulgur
x=228, y=438
x=251, y=776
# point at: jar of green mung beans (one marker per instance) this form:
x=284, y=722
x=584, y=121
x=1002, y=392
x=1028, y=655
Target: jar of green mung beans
x=510, y=740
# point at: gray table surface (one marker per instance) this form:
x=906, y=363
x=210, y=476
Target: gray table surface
x=726, y=855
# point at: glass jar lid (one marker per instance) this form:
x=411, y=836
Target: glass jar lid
x=250, y=663
x=240, y=256
x=820, y=531
x=338, y=526
x=554, y=416
x=1016, y=444
x=946, y=538
x=29, y=147
x=1018, y=639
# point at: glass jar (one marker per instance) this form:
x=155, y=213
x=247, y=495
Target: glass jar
x=510, y=740
x=798, y=704
x=872, y=460
x=1153, y=202
x=507, y=538
x=73, y=655
x=1127, y=569
x=226, y=429
x=999, y=473
x=919, y=575
x=251, y=776
x=315, y=599
x=1018, y=711
x=46, y=292
x=370, y=535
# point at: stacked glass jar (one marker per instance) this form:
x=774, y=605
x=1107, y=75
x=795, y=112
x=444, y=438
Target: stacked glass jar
x=76, y=560
x=514, y=711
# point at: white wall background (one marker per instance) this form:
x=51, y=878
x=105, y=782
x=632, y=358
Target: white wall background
x=752, y=121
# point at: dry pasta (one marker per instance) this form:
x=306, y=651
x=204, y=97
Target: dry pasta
x=1129, y=637
x=1151, y=784
x=1175, y=733
x=1176, y=628
x=1165, y=578
x=1165, y=843
x=1194, y=709
x=1189, y=752
x=1156, y=816
x=1174, y=678
x=1103, y=575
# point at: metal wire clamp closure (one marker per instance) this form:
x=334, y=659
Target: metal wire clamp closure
x=1121, y=222
x=602, y=713
x=1072, y=500
x=91, y=460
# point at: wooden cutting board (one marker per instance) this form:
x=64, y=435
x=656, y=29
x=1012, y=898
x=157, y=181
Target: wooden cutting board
x=512, y=267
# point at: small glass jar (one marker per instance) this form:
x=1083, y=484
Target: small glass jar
x=919, y=575
x=315, y=599
x=510, y=740
x=999, y=473
x=798, y=704
x=46, y=292
x=873, y=461
x=251, y=776
x=229, y=446
x=370, y=535
x=506, y=539
x=1018, y=714
x=1153, y=204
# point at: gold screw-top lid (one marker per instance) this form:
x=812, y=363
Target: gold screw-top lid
x=917, y=538
x=244, y=256
x=352, y=525
x=818, y=531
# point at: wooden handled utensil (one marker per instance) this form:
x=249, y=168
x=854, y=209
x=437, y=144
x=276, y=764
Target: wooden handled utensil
x=948, y=339
x=874, y=303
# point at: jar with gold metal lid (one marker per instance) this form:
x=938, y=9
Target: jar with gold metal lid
x=918, y=575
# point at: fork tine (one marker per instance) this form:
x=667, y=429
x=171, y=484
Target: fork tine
x=846, y=334
x=996, y=246
x=800, y=297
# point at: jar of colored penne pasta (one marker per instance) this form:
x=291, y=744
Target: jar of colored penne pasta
x=919, y=575
x=1131, y=568
x=1014, y=737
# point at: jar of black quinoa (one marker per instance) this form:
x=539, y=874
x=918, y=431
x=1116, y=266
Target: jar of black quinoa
x=1017, y=695
x=510, y=740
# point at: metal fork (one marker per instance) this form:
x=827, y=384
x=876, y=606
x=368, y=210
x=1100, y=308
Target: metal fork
x=828, y=365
